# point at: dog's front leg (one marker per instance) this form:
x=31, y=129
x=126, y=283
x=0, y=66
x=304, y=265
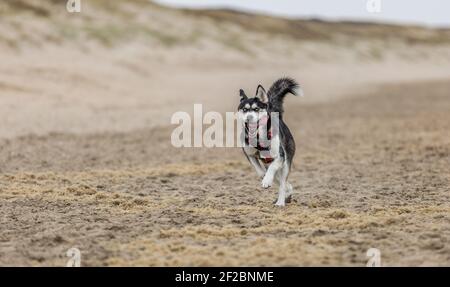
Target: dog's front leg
x=260, y=170
x=271, y=171
x=285, y=187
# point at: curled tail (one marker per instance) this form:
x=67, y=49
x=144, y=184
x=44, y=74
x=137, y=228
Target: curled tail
x=278, y=91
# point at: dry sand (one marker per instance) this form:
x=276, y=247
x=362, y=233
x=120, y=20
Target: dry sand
x=371, y=171
x=86, y=159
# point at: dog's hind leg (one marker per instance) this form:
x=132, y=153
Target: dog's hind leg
x=289, y=192
x=289, y=189
x=260, y=169
x=284, y=189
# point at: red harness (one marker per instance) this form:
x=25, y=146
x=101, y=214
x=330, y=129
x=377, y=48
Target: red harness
x=266, y=160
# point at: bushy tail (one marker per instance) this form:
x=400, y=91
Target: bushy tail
x=278, y=91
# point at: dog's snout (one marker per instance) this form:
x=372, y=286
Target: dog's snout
x=250, y=117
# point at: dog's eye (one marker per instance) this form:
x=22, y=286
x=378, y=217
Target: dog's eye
x=256, y=109
x=244, y=110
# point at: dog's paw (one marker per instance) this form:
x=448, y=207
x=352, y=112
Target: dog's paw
x=266, y=182
x=289, y=198
x=280, y=203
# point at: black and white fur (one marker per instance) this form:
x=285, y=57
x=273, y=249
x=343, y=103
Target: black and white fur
x=282, y=145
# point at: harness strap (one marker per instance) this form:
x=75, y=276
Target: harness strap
x=260, y=148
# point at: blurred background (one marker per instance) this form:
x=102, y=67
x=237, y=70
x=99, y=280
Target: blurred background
x=432, y=13
x=76, y=64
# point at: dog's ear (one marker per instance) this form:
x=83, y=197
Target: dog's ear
x=243, y=95
x=261, y=94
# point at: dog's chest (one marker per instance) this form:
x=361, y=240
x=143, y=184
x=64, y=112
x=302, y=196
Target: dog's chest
x=266, y=155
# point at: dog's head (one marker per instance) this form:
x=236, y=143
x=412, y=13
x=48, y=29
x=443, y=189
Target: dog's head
x=252, y=110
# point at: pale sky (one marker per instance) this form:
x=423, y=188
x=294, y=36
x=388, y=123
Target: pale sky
x=424, y=12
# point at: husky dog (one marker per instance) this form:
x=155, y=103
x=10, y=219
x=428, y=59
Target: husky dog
x=266, y=140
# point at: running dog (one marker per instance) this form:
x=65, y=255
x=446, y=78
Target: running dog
x=266, y=140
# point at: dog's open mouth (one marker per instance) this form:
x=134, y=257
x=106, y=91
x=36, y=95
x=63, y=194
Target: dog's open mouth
x=251, y=129
x=252, y=125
